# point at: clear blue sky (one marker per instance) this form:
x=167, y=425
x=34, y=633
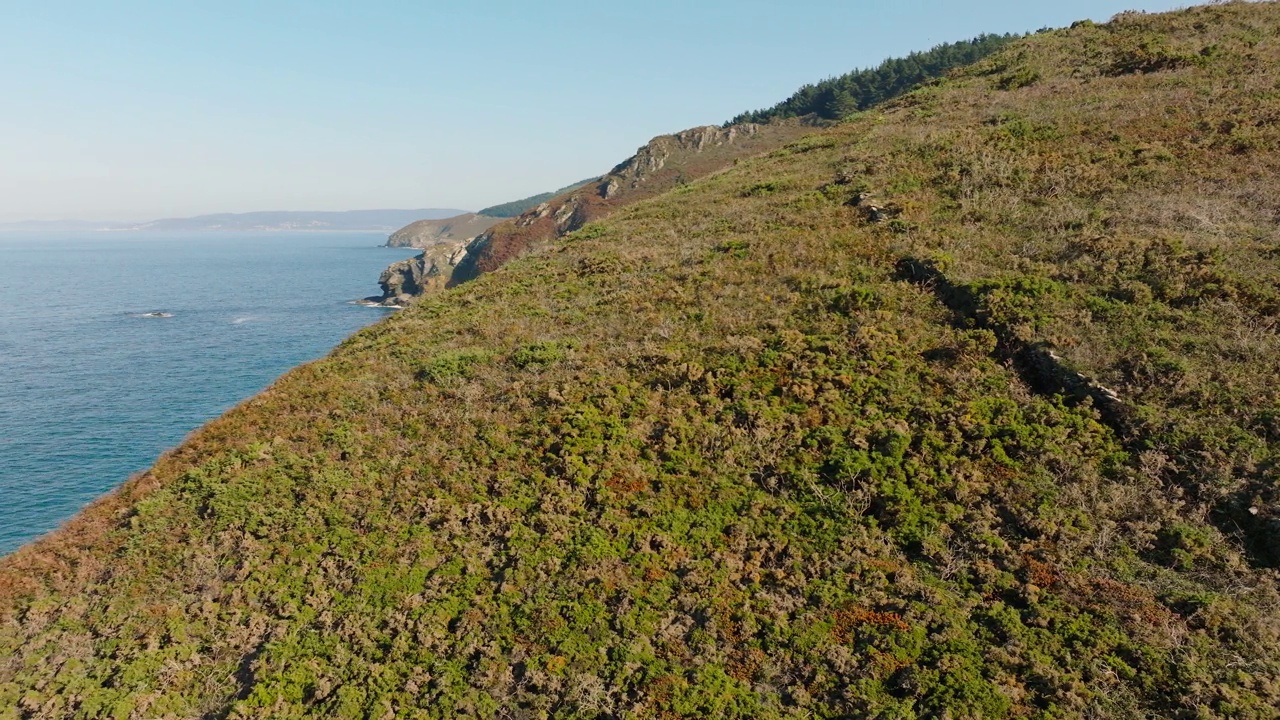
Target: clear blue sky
x=131, y=110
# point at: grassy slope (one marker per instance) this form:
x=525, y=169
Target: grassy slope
x=739, y=451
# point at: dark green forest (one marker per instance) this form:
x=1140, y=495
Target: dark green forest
x=837, y=97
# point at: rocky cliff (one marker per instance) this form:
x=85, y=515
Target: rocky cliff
x=644, y=167
x=406, y=279
x=660, y=165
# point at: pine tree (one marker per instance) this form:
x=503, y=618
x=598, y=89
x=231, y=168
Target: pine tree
x=837, y=97
x=839, y=103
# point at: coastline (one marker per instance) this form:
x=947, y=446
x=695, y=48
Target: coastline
x=128, y=363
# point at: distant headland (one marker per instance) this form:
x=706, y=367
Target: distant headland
x=264, y=221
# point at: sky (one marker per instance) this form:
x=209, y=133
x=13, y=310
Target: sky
x=133, y=110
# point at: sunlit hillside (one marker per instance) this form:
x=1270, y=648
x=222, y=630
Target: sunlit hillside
x=964, y=407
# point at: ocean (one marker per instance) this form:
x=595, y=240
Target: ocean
x=115, y=346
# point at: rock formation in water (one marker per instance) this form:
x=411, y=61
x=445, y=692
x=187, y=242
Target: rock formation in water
x=404, y=280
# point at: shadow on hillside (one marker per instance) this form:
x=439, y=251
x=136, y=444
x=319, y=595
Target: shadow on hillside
x=1248, y=515
x=245, y=678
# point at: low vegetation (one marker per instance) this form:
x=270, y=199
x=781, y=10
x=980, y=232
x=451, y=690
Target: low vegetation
x=965, y=407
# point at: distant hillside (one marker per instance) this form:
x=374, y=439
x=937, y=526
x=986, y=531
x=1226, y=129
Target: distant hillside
x=963, y=408
x=425, y=233
x=672, y=160
x=664, y=163
x=351, y=220
x=518, y=207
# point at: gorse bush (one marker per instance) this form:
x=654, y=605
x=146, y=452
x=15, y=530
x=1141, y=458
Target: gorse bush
x=451, y=365
x=538, y=355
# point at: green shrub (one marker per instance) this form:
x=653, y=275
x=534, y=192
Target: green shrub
x=452, y=365
x=739, y=249
x=1020, y=78
x=538, y=355
x=1151, y=53
x=762, y=189
x=590, y=231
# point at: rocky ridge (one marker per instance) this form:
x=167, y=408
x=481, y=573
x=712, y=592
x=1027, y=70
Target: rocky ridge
x=660, y=165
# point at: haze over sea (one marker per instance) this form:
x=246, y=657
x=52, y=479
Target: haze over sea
x=91, y=391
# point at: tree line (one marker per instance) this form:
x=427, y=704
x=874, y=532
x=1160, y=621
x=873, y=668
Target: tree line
x=837, y=97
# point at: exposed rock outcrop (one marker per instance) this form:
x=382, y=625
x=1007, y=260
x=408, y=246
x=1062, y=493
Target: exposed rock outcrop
x=431, y=270
x=662, y=164
x=651, y=159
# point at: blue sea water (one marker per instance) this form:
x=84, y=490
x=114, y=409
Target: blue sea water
x=91, y=391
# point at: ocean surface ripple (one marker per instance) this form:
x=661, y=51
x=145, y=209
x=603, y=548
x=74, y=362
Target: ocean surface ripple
x=115, y=346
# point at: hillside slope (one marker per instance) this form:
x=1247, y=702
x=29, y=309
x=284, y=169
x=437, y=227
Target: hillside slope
x=837, y=97
x=425, y=233
x=962, y=408
x=661, y=164
x=668, y=161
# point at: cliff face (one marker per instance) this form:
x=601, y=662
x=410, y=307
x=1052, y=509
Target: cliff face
x=444, y=243
x=660, y=165
x=683, y=148
x=431, y=270
x=425, y=233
